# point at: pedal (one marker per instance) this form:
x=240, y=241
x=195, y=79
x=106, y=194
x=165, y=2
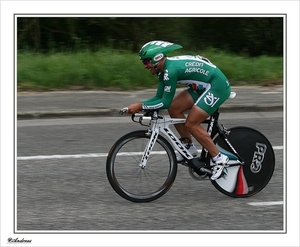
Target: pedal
x=208, y=171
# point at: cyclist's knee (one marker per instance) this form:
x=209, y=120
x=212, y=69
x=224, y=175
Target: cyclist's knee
x=171, y=111
x=190, y=126
x=195, y=118
x=175, y=109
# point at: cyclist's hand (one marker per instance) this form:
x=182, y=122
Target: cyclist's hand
x=134, y=108
x=122, y=111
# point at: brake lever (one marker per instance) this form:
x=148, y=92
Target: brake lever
x=122, y=111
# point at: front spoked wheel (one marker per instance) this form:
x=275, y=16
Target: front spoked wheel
x=133, y=182
x=259, y=162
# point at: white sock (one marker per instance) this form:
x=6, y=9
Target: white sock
x=217, y=157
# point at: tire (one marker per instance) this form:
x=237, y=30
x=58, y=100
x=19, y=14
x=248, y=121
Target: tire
x=138, y=184
x=259, y=162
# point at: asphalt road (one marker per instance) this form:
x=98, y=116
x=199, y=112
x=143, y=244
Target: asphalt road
x=62, y=184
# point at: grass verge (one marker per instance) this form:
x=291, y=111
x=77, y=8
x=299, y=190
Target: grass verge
x=121, y=70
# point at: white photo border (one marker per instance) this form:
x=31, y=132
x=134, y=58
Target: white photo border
x=10, y=9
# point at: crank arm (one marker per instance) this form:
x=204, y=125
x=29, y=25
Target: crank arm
x=202, y=169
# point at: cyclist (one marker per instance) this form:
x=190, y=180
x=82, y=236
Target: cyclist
x=207, y=88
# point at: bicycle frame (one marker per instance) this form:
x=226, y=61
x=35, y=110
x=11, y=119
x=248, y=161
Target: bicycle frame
x=159, y=124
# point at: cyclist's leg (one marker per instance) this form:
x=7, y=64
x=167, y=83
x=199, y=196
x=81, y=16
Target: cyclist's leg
x=182, y=102
x=193, y=125
x=206, y=105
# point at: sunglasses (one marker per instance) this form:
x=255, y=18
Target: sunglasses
x=146, y=61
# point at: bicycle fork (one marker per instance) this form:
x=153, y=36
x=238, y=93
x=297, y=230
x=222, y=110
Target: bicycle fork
x=149, y=147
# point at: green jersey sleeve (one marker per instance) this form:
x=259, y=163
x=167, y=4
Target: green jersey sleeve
x=165, y=91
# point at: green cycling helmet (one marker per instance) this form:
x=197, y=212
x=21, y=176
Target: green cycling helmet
x=157, y=50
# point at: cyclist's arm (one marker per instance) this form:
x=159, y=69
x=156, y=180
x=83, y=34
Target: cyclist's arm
x=165, y=94
x=158, y=96
x=149, y=103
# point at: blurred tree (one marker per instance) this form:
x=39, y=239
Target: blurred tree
x=252, y=36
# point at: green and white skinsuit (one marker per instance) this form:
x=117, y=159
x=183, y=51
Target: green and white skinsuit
x=206, y=83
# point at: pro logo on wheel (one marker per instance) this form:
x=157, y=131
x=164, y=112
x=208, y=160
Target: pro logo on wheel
x=258, y=157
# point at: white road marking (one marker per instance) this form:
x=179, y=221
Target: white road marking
x=70, y=156
x=91, y=155
x=265, y=203
x=78, y=156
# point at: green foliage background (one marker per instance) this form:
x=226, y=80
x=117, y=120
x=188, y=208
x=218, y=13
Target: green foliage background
x=101, y=52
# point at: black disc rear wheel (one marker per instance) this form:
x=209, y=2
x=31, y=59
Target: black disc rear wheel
x=259, y=162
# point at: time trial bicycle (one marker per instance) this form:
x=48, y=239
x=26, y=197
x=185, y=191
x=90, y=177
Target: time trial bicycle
x=141, y=166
